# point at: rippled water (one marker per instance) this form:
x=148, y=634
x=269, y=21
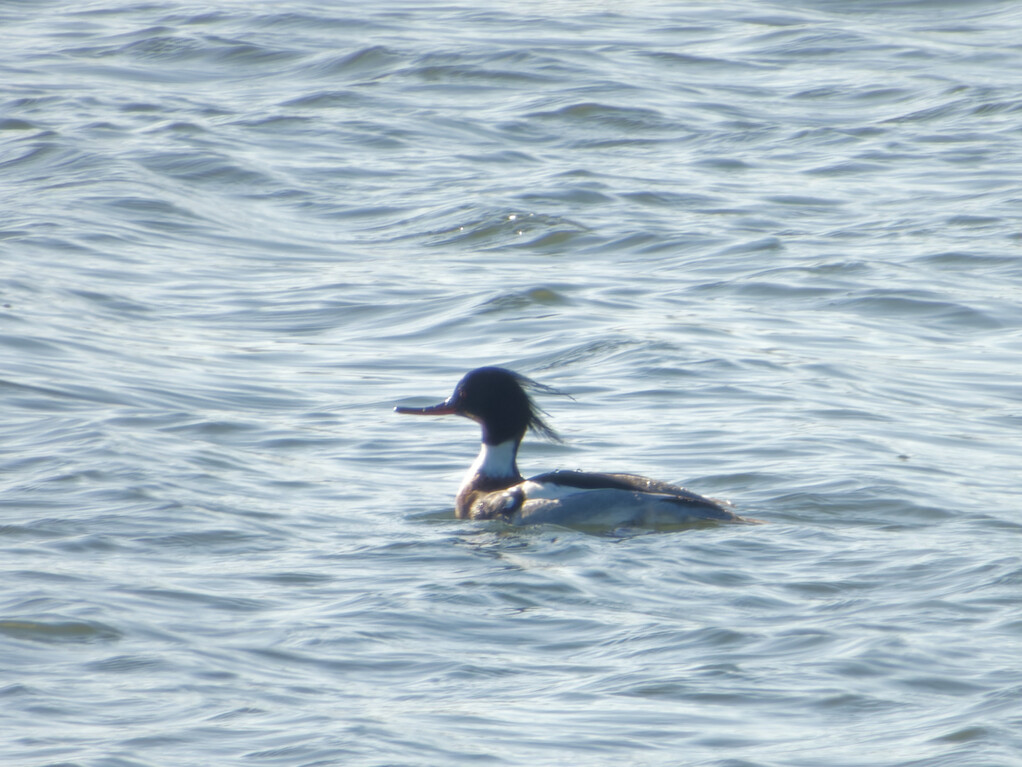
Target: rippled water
x=772, y=251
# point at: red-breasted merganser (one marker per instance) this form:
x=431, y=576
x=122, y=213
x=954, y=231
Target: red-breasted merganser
x=497, y=399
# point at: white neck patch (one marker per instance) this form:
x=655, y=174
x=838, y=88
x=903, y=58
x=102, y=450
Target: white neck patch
x=496, y=460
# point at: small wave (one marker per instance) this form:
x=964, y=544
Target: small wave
x=522, y=299
x=608, y=116
x=533, y=229
x=369, y=62
x=882, y=305
x=59, y=631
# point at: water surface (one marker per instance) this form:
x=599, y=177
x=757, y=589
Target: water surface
x=771, y=250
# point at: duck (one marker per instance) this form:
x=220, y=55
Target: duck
x=499, y=400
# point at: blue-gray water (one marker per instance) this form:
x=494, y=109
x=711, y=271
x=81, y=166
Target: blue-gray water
x=773, y=250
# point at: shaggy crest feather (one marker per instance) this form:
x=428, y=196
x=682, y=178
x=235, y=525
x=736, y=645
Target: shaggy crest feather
x=536, y=424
